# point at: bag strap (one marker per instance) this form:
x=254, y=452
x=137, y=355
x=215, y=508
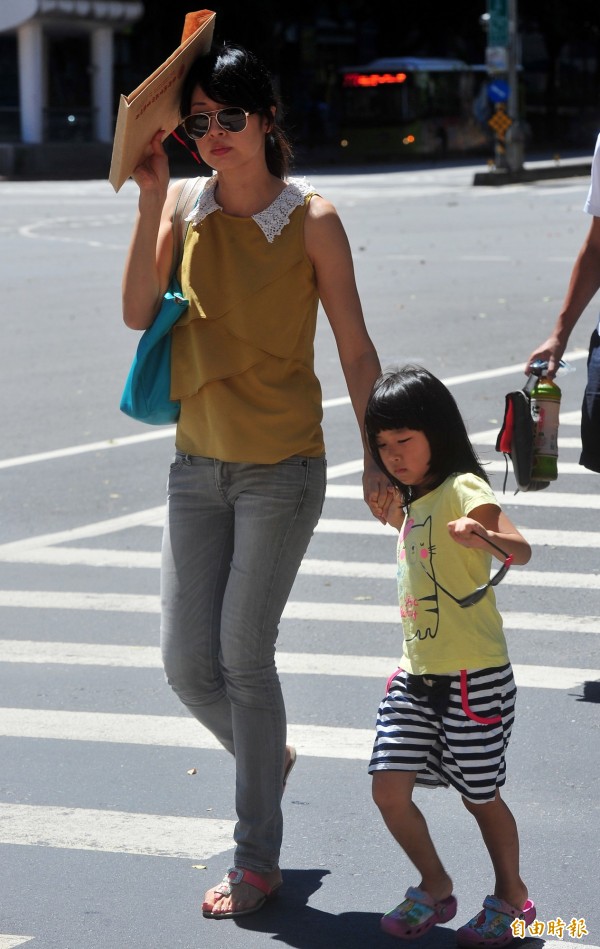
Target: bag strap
x=187, y=197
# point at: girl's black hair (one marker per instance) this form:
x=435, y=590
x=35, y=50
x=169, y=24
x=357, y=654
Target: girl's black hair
x=413, y=398
x=234, y=76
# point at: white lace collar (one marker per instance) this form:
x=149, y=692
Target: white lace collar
x=272, y=220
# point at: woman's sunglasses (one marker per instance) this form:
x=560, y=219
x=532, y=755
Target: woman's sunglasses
x=479, y=593
x=230, y=120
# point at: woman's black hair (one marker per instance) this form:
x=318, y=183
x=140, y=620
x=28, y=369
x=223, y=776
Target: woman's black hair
x=413, y=398
x=234, y=76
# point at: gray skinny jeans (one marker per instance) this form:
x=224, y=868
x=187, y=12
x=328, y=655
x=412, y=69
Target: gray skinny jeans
x=234, y=538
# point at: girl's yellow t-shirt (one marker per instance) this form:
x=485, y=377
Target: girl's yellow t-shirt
x=440, y=637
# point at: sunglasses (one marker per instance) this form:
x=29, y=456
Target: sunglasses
x=230, y=120
x=480, y=592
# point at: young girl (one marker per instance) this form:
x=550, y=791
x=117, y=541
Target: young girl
x=447, y=715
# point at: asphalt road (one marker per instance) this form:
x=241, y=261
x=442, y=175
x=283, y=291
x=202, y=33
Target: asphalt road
x=107, y=840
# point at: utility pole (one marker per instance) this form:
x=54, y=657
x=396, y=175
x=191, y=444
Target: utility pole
x=515, y=138
x=502, y=61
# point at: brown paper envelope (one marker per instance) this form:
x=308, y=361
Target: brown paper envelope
x=154, y=105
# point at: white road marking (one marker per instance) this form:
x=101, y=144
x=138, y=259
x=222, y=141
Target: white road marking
x=142, y=559
x=536, y=536
x=288, y=663
x=168, y=431
x=564, y=467
x=317, y=741
x=150, y=517
x=548, y=497
x=151, y=835
x=324, y=612
x=12, y=942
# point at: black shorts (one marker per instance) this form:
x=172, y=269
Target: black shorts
x=590, y=410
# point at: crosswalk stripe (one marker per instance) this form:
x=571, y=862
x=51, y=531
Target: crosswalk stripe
x=317, y=741
x=535, y=536
x=545, y=498
x=154, y=517
x=288, y=663
x=12, y=942
x=154, y=835
x=143, y=559
x=498, y=467
x=295, y=610
x=149, y=517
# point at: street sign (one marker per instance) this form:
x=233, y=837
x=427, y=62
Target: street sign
x=496, y=59
x=498, y=90
x=500, y=121
x=498, y=23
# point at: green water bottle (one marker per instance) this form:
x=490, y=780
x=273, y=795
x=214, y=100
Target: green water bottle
x=545, y=407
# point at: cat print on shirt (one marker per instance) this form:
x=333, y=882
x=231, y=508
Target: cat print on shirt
x=419, y=610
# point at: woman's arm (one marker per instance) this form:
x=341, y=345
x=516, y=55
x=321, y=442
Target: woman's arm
x=150, y=256
x=583, y=285
x=492, y=522
x=329, y=251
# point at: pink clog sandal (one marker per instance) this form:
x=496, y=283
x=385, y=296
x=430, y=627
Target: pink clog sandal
x=417, y=914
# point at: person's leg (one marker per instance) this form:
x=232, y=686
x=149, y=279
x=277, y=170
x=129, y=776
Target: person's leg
x=196, y=556
x=276, y=510
x=392, y=793
x=501, y=838
x=590, y=410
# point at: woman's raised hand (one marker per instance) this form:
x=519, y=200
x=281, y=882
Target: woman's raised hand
x=152, y=174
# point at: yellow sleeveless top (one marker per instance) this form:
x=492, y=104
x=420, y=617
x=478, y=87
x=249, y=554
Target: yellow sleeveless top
x=242, y=360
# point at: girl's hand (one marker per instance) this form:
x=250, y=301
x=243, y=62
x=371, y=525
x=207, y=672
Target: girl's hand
x=152, y=174
x=465, y=530
x=394, y=512
x=378, y=492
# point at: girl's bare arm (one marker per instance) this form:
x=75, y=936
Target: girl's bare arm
x=490, y=521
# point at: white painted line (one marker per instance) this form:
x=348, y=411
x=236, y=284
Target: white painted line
x=564, y=468
x=535, y=536
x=317, y=741
x=346, y=468
x=168, y=431
x=516, y=577
x=554, y=944
x=84, y=557
x=41, y=550
x=548, y=497
x=154, y=435
x=288, y=663
x=11, y=942
x=506, y=371
x=150, y=835
x=141, y=559
x=150, y=517
x=323, y=612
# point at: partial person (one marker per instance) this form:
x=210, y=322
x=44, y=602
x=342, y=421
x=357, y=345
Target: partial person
x=247, y=484
x=448, y=712
x=583, y=285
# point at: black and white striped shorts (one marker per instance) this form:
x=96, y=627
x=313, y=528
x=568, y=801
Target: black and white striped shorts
x=462, y=745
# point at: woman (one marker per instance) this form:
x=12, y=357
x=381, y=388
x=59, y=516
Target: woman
x=247, y=485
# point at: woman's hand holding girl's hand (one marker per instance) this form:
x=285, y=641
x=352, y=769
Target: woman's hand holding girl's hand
x=465, y=531
x=394, y=512
x=152, y=174
x=386, y=506
x=377, y=491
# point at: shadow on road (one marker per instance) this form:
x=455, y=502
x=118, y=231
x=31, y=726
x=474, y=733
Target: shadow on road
x=290, y=921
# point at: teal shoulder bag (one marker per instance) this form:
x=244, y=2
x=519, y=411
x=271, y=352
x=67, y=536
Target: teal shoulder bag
x=146, y=396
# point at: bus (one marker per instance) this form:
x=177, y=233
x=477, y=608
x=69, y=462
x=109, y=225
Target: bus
x=414, y=106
